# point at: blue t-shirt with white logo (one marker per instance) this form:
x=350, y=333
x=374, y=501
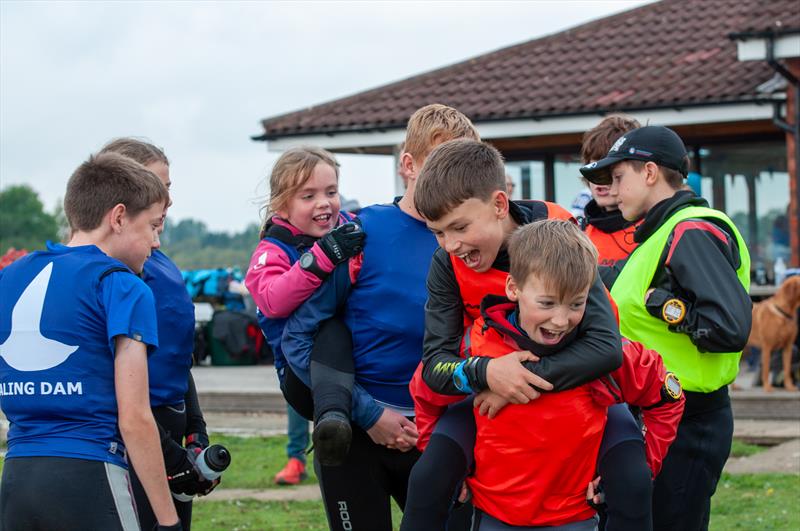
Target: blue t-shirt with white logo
x=60, y=310
x=168, y=366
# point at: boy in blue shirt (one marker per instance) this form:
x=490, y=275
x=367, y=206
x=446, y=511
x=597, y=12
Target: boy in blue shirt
x=75, y=327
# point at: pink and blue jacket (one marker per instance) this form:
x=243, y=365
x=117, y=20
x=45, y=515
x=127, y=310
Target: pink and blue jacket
x=279, y=285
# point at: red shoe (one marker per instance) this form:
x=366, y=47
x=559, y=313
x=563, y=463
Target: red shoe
x=293, y=473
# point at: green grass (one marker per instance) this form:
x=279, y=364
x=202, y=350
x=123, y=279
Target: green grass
x=267, y=516
x=742, y=449
x=251, y=514
x=255, y=461
x=756, y=501
x=742, y=502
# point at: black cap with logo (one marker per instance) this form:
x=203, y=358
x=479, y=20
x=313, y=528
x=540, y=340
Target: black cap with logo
x=652, y=143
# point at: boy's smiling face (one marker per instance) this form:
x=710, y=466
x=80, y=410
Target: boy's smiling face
x=543, y=315
x=474, y=231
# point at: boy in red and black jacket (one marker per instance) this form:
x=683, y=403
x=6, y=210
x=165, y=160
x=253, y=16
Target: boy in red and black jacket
x=526, y=475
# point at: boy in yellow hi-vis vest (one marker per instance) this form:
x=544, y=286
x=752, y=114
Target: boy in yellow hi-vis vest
x=684, y=293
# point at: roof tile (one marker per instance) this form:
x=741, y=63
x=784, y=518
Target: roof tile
x=669, y=53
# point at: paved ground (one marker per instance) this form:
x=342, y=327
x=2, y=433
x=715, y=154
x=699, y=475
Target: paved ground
x=244, y=379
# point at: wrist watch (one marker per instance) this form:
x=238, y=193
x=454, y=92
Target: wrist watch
x=671, y=391
x=666, y=306
x=308, y=262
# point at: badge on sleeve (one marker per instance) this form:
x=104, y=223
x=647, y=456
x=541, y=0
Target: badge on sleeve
x=673, y=311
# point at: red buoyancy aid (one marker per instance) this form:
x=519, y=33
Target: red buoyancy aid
x=612, y=246
x=533, y=461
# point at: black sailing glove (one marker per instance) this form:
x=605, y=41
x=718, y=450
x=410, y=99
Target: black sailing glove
x=184, y=477
x=342, y=243
x=197, y=440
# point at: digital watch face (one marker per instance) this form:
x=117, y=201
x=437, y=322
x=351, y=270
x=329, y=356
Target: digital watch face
x=673, y=386
x=306, y=260
x=673, y=311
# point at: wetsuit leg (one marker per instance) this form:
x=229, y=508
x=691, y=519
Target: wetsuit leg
x=627, y=481
x=297, y=394
x=693, y=465
x=331, y=368
x=438, y=474
x=173, y=420
x=486, y=522
x=354, y=493
x=45, y=493
x=331, y=371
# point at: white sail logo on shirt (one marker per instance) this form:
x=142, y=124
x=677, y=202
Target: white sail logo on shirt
x=26, y=349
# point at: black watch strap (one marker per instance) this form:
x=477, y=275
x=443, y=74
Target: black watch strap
x=671, y=391
x=666, y=306
x=308, y=262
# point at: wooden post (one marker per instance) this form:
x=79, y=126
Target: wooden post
x=793, y=66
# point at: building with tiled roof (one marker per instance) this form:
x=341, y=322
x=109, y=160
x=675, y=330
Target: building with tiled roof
x=672, y=63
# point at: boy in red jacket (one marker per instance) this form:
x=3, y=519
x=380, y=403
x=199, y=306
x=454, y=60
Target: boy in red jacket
x=533, y=461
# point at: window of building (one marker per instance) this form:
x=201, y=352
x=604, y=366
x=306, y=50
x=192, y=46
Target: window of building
x=751, y=184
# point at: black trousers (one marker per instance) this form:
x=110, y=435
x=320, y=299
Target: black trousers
x=691, y=470
x=172, y=419
x=357, y=493
x=47, y=493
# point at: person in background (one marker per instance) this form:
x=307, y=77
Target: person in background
x=576, y=208
x=602, y=221
x=173, y=396
x=294, y=471
x=509, y=185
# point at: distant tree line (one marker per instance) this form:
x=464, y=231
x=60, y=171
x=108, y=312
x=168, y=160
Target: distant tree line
x=25, y=224
x=192, y=246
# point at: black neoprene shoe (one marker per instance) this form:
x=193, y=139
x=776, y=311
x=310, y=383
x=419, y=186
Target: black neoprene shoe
x=332, y=436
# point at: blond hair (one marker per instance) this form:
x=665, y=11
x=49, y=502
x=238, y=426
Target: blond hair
x=433, y=124
x=290, y=173
x=557, y=252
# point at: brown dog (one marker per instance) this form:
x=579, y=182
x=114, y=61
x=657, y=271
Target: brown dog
x=775, y=328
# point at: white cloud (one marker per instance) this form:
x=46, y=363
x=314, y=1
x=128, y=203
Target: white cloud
x=196, y=78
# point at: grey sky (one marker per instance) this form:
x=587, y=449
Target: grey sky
x=196, y=78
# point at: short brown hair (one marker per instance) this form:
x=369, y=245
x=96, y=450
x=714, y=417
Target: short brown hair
x=433, y=124
x=599, y=139
x=106, y=180
x=456, y=171
x=557, y=252
x=291, y=171
x=141, y=151
x=674, y=178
